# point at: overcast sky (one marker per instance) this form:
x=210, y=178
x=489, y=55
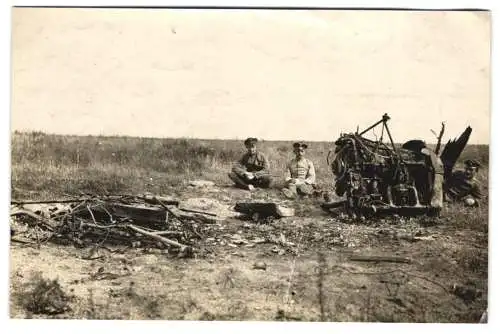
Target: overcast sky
x=272, y=74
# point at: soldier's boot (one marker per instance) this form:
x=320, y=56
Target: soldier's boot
x=263, y=181
x=290, y=191
x=305, y=190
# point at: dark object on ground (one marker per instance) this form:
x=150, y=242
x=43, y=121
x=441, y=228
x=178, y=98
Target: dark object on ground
x=374, y=258
x=264, y=210
x=260, y=265
x=466, y=292
x=378, y=178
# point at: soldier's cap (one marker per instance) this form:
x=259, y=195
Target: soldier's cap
x=414, y=145
x=250, y=141
x=300, y=145
x=472, y=163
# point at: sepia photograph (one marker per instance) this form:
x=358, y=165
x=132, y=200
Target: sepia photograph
x=250, y=164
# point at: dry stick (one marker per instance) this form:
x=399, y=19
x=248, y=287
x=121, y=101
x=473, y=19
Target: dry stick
x=391, y=272
x=112, y=229
x=22, y=241
x=97, y=226
x=168, y=233
x=427, y=279
x=109, y=214
x=155, y=200
x=72, y=211
x=47, y=202
x=157, y=237
x=95, y=222
x=107, y=230
x=177, y=217
x=201, y=212
x=91, y=214
x=366, y=272
x=168, y=209
x=439, y=138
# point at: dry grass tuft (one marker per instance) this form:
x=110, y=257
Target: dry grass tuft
x=43, y=296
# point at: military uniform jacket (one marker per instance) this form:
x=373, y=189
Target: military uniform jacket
x=460, y=187
x=302, y=169
x=254, y=163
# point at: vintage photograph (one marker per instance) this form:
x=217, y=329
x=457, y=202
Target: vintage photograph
x=303, y=165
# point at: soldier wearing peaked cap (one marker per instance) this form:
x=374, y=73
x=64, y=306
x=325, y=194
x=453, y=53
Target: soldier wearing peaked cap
x=301, y=175
x=464, y=186
x=252, y=170
x=472, y=163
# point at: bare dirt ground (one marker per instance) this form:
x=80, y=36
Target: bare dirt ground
x=305, y=274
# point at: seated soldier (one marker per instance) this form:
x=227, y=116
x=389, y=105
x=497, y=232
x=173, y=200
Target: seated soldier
x=252, y=170
x=463, y=185
x=301, y=176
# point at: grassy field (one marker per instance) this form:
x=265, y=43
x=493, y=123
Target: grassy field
x=51, y=165
x=326, y=286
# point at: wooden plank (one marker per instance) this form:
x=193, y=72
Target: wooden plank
x=195, y=216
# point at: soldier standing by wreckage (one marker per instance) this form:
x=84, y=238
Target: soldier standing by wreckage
x=435, y=178
x=301, y=175
x=252, y=170
x=463, y=185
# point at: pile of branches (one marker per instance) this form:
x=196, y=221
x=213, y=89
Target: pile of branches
x=144, y=221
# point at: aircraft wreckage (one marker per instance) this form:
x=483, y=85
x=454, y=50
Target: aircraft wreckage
x=378, y=178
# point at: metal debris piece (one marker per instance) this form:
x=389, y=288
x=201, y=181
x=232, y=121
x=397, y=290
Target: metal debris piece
x=264, y=210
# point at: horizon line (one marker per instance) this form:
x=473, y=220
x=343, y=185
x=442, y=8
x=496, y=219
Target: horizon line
x=206, y=139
